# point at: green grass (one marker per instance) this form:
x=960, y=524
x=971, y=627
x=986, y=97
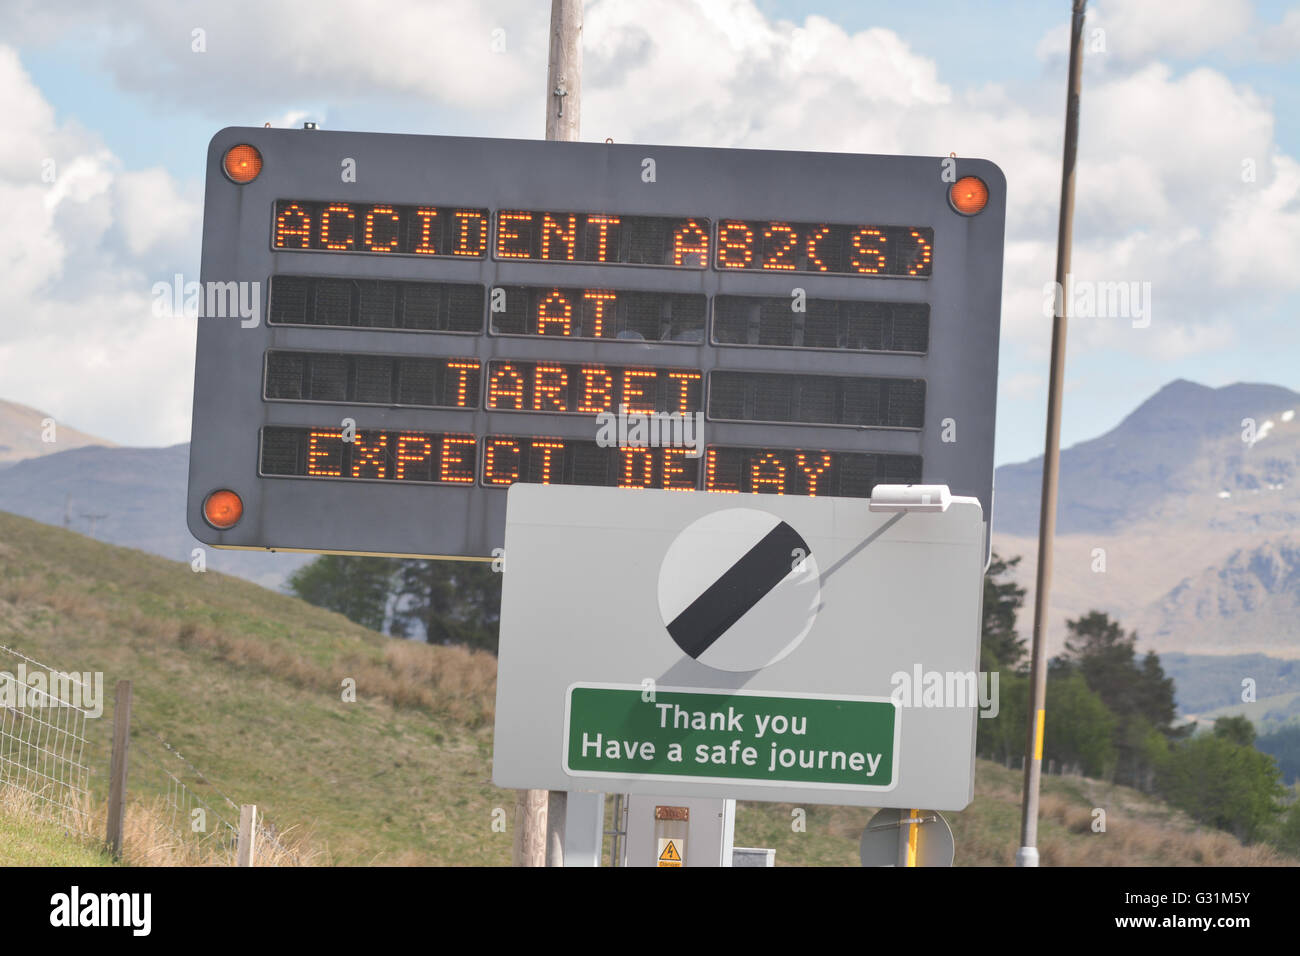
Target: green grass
x=247, y=685
x=27, y=840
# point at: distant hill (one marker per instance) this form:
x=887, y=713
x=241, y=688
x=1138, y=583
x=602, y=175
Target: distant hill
x=22, y=434
x=1204, y=683
x=1171, y=457
x=140, y=493
x=1198, y=530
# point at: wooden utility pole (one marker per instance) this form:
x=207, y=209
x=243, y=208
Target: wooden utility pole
x=117, y=768
x=564, y=71
x=1027, y=855
x=539, y=814
x=530, y=828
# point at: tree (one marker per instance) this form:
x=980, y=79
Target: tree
x=1000, y=647
x=1156, y=700
x=1002, y=738
x=1284, y=745
x=357, y=588
x=1237, y=729
x=1079, y=729
x=1098, y=648
x=449, y=602
x=1223, y=783
x=1140, y=696
x=1288, y=833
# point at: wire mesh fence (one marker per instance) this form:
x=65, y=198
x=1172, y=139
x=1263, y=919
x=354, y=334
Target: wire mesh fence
x=43, y=728
x=208, y=826
x=47, y=721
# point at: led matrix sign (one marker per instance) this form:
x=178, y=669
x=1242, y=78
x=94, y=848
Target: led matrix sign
x=475, y=313
x=501, y=460
x=604, y=314
x=867, y=250
x=589, y=389
x=602, y=237
x=376, y=304
x=382, y=228
x=372, y=379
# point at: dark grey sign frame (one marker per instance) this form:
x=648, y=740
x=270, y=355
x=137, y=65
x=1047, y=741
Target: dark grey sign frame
x=387, y=517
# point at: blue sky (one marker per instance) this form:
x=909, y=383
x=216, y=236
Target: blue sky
x=1181, y=95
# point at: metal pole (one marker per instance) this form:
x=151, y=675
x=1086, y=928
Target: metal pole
x=1028, y=852
x=539, y=831
x=557, y=810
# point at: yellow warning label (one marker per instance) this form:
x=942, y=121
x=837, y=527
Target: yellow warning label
x=668, y=855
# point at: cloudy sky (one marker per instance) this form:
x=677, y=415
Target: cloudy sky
x=1189, y=171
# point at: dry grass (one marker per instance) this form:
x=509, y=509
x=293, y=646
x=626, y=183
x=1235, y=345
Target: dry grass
x=1134, y=839
x=1140, y=830
x=452, y=682
x=148, y=839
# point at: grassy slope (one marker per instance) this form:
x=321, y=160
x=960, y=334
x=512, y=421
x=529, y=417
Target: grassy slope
x=1139, y=830
x=28, y=841
x=246, y=683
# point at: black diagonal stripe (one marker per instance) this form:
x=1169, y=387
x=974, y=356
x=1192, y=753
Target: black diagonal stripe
x=743, y=585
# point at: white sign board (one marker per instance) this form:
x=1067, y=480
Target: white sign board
x=760, y=647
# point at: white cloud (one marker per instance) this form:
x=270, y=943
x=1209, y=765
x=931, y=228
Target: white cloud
x=1258, y=238
x=1136, y=31
x=721, y=74
x=259, y=53
x=1021, y=385
x=78, y=338
x=1283, y=40
x=153, y=212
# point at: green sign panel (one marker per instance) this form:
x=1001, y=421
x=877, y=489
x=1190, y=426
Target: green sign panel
x=812, y=740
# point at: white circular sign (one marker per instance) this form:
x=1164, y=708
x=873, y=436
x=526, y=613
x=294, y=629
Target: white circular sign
x=739, y=589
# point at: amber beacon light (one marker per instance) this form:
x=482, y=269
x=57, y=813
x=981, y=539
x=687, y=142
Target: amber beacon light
x=242, y=163
x=968, y=195
x=223, y=509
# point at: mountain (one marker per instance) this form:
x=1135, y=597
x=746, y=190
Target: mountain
x=1172, y=456
x=1183, y=522
x=23, y=434
x=133, y=497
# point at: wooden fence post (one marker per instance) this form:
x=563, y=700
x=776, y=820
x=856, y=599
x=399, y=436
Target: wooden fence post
x=117, y=768
x=247, y=834
x=530, y=828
